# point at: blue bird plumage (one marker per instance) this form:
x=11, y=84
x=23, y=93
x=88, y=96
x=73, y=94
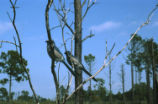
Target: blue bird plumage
x=56, y=55
x=72, y=60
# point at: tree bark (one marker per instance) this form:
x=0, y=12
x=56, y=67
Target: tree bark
x=110, y=85
x=136, y=76
x=90, y=94
x=55, y=81
x=154, y=77
x=148, y=85
x=123, y=83
x=10, y=84
x=78, y=49
x=139, y=76
x=156, y=84
x=132, y=82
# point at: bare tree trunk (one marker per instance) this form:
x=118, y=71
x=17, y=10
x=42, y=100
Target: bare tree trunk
x=156, y=84
x=10, y=85
x=110, y=85
x=154, y=76
x=78, y=49
x=148, y=86
x=139, y=82
x=132, y=82
x=123, y=83
x=136, y=76
x=90, y=94
x=139, y=77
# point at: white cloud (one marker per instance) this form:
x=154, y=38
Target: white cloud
x=105, y=26
x=5, y=26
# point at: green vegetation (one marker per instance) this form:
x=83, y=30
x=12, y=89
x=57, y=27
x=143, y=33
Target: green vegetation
x=99, y=95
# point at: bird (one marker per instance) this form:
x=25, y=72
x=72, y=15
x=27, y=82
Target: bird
x=72, y=60
x=55, y=54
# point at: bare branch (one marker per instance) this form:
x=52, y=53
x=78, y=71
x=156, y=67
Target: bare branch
x=20, y=47
x=55, y=27
x=88, y=7
x=114, y=57
x=89, y=36
x=108, y=53
x=55, y=81
x=84, y=2
x=2, y=41
x=72, y=39
x=67, y=89
x=63, y=18
x=15, y=43
x=49, y=4
x=62, y=31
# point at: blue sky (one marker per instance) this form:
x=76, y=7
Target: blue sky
x=110, y=20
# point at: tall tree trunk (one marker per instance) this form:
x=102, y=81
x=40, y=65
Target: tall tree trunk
x=78, y=49
x=139, y=82
x=110, y=85
x=148, y=85
x=139, y=76
x=156, y=84
x=123, y=83
x=10, y=85
x=90, y=85
x=132, y=82
x=136, y=76
x=154, y=77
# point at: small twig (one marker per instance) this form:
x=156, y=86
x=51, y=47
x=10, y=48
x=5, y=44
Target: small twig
x=72, y=39
x=65, y=42
x=108, y=53
x=89, y=36
x=62, y=32
x=15, y=43
x=3, y=41
x=88, y=7
x=84, y=2
x=63, y=19
x=54, y=27
x=58, y=73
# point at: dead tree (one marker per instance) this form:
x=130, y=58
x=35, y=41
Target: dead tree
x=110, y=71
x=13, y=5
x=154, y=73
x=123, y=83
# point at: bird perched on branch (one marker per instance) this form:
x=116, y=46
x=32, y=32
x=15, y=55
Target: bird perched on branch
x=56, y=55
x=72, y=60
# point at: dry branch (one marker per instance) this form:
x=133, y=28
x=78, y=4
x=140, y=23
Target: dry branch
x=49, y=4
x=63, y=18
x=89, y=5
x=20, y=47
x=89, y=36
x=3, y=41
